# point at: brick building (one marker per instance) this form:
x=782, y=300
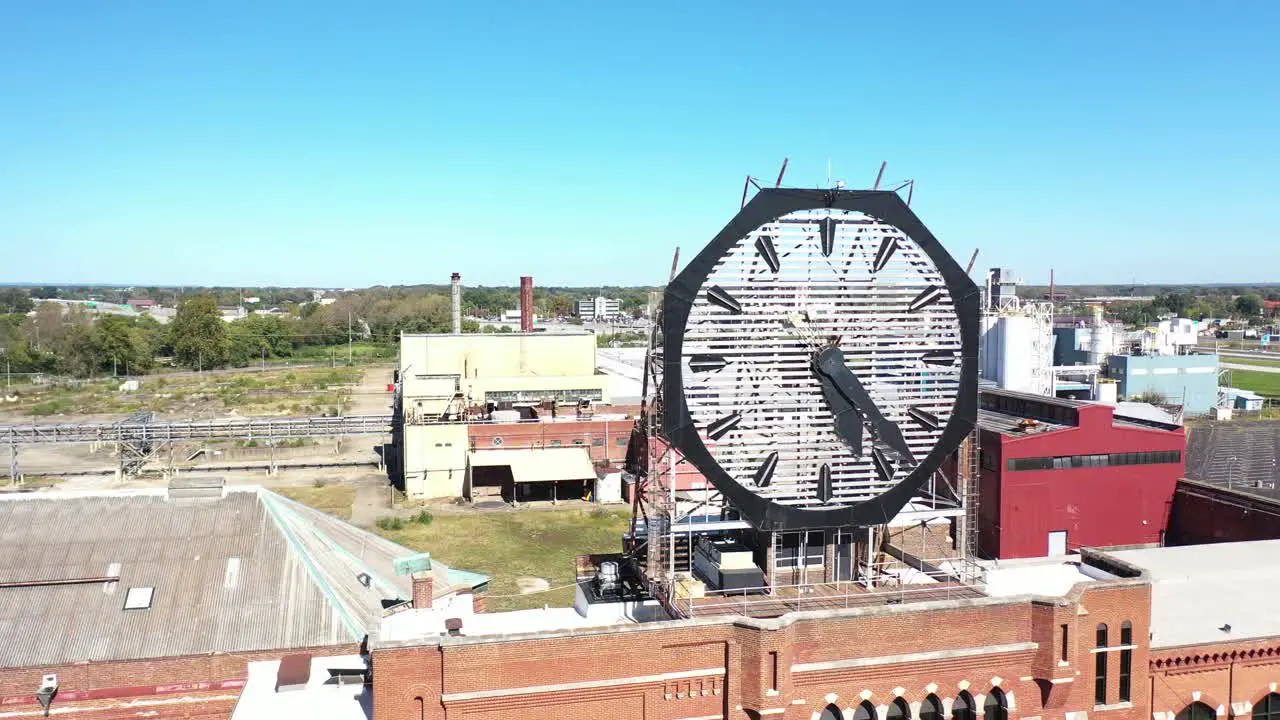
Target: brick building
x=156, y=603
x=1208, y=513
x=1105, y=635
x=1057, y=475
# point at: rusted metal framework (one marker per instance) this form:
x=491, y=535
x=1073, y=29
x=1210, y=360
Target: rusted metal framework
x=140, y=437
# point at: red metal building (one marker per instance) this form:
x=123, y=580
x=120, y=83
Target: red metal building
x=1058, y=475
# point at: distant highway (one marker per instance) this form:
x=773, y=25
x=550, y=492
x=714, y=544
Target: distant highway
x=1254, y=368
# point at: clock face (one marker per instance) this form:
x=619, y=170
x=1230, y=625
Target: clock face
x=819, y=358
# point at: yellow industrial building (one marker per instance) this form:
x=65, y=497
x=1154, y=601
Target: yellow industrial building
x=444, y=379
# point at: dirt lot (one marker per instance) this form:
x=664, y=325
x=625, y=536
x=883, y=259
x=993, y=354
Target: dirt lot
x=291, y=391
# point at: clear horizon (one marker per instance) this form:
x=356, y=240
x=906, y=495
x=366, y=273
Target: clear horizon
x=301, y=145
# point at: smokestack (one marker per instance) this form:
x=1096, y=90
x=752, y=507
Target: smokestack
x=455, y=293
x=526, y=304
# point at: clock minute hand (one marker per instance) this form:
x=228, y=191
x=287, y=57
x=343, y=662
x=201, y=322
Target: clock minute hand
x=829, y=363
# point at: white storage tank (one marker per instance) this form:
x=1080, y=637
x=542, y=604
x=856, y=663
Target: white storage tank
x=989, y=343
x=1016, y=335
x=1107, y=392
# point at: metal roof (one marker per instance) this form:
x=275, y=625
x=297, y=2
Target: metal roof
x=1009, y=424
x=247, y=571
x=542, y=465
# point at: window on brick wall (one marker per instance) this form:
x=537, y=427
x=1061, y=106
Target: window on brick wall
x=995, y=707
x=1126, y=662
x=931, y=708
x=1100, y=667
x=864, y=711
x=900, y=710
x=962, y=708
x=831, y=712
x=1197, y=711
x=1268, y=708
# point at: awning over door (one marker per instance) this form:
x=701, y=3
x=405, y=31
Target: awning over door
x=546, y=465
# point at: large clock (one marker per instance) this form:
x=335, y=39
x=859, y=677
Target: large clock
x=820, y=358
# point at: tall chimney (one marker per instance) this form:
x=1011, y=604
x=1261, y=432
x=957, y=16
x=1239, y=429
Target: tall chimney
x=456, y=296
x=526, y=303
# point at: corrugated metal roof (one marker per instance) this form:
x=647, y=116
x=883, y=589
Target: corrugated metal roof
x=248, y=571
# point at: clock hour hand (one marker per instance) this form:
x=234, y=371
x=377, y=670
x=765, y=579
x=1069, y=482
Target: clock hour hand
x=828, y=364
x=848, y=421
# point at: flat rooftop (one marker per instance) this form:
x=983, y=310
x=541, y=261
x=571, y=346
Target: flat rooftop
x=1181, y=579
x=1211, y=593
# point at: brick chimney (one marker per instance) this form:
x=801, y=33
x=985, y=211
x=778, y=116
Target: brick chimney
x=526, y=304
x=477, y=602
x=422, y=589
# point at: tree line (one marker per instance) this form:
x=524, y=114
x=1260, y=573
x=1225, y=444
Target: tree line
x=1247, y=307
x=46, y=337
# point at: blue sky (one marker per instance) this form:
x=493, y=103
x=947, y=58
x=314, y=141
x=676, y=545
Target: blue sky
x=350, y=144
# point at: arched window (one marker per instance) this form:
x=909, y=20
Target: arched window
x=1100, y=668
x=962, y=708
x=931, y=708
x=1126, y=661
x=864, y=711
x=996, y=707
x=1268, y=708
x=1197, y=711
x=900, y=710
x=831, y=712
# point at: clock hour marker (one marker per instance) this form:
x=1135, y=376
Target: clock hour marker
x=927, y=297
x=717, y=295
x=825, y=491
x=926, y=419
x=943, y=358
x=707, y=363
x=886, y=251
x=764, y=246
x=884, y=468
x=827, y=231
x=764, y=473
x=721, y=427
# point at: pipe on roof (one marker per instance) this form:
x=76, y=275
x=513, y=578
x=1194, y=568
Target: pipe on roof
x=58, y=581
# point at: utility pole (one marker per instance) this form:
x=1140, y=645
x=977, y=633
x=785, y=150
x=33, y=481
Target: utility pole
x=348, y=337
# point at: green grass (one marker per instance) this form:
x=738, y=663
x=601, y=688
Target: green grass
x=1263, y=383
x=361, y=352
x=510, y=545
x=297, y=391
x=333, y=499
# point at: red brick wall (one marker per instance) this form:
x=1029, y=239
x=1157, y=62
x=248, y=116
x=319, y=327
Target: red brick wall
x=1228, y=677
x=102, y=689
x=612, y=436
x=725, y=669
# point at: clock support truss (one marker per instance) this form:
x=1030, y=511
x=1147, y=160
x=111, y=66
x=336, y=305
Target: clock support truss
x=896, y=562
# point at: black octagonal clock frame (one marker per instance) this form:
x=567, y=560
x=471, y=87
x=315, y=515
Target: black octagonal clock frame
x=768, y=206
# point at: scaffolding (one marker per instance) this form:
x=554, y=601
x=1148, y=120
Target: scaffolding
x=665, y=521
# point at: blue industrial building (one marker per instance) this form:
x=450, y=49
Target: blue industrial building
x=1188, y=380
x=1071, y=345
